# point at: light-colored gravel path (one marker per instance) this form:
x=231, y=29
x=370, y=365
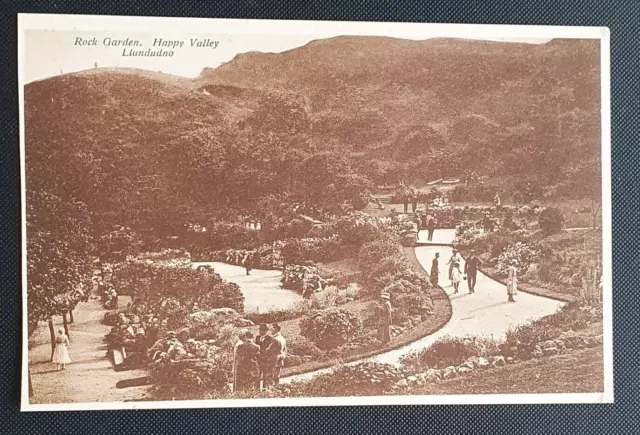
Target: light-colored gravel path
x=484, y=313
x=261, y=289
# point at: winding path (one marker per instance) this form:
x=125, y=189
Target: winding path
x=484, y=313
x=91, y=378
x=261, y=289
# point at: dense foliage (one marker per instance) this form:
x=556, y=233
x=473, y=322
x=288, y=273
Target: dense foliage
x=331, y=328
x=59, y=263
x=551, y=220
x=173, y=292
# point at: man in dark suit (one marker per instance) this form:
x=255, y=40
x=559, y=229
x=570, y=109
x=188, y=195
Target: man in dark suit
x=263, y=339
x=275, y=355
x=471, y=270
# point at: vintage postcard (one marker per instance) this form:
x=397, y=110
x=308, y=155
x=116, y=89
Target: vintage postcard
x=237, y=213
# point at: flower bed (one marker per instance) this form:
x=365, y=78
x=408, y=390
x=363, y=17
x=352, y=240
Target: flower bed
x=453, y=357
x=303, y=279
x=165, y=298
x=523, y=253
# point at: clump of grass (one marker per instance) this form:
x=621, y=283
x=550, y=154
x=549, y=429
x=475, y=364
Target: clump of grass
x=451, y=351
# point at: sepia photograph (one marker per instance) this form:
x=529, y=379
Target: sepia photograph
x=237, y=213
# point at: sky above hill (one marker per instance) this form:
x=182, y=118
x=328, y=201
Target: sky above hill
x=51, y=53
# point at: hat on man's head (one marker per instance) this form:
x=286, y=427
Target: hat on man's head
x=276, y=327
x=263, y=327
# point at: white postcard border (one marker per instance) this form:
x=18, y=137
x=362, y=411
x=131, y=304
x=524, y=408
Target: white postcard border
x=320, y=29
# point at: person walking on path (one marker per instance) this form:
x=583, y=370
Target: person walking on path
x=512, y=281
x=248, y=261
x=384, y=318
x=471, y=270
x=414, y=202
x=241, y=338
x=247, y=369
x=435, y=270
x=263, y=340
x=275, y=355
x=456, y=277
x=431, y=226
x=455, y=258
x=61, y=353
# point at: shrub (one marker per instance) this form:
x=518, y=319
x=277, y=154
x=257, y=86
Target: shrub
x=297, y=228
x=331, y=328
x=571, y=316
x=362, y=379
x=187, y=369
x=551, y=220
x=173, y=292
x=451, y=351
x=390, y=266
x=302, y=347
x=373, y=252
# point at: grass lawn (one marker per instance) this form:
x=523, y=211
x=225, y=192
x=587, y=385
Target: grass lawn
x=576, y=372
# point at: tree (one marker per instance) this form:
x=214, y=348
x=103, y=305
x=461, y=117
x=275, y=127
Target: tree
x=551, y=220
x=58, y=256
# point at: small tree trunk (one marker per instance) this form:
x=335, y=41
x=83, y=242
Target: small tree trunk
x=53, y=338
x=65, y=325
x=70, y=316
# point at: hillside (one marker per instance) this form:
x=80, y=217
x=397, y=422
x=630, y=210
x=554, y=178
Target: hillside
x=137, y=147
x=445, y=104
x=314, y=123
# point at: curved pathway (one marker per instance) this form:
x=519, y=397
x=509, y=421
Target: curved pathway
x=484, y=313
x=261, y=289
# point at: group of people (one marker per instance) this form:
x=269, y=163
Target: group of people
x=427, y=221
x=258, y=360
x=110, y=297
x=470, y=273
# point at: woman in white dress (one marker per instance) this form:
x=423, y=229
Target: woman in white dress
x=61, y=354
x=512, y=281
x=456, y=276
x=455, y=258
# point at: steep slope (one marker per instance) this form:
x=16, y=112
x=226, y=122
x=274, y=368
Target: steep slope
x=446, y=103
x=142, y=148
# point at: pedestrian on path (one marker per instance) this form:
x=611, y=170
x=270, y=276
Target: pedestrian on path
x=455, y=258
x=435, y=270
x=247, y=369
x=241, y=339
x=431, y=226
x=384, y=318
x=512, y=281
x=456, y=276
x=61, y=353
x=275, y=356
x=263, y=340
x=471, y=270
